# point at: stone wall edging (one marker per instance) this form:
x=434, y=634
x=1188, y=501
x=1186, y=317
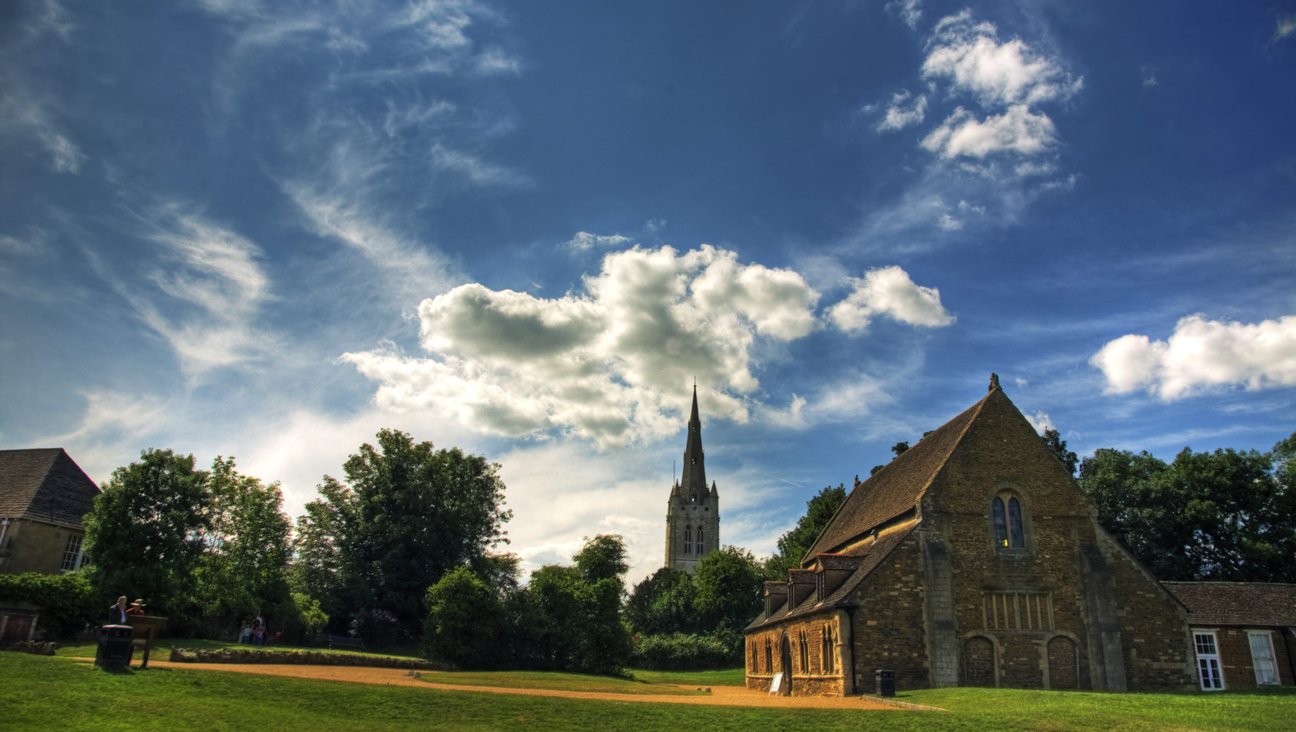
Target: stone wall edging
x=304, y=658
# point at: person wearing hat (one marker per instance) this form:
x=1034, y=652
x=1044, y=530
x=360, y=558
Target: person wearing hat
x=136, y=608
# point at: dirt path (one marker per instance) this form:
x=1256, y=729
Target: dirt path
x=734, y=696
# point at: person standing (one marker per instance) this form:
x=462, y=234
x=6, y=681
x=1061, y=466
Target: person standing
x=117, y=612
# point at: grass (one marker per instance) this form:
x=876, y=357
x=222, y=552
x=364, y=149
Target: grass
x=718, y=677
x=554, y=680
x=162, y=649
x=57, y=693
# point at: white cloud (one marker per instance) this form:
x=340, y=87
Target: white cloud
x=1286, y=25
x=475, y=169
x=889, y=292
x=904, y=110
x=910, y=11
x=1017, y=131
x=949, y=223
x=410, y=270
x=608, y=364
x=214, y=286
x=1202, y=354
x=584, y=240
x=970, y=57
x=1041, y=421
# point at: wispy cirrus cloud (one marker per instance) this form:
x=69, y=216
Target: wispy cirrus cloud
x=584, y=240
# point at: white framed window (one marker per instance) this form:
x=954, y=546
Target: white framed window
x=1209, y=671
x=1262, y=657
x=72, y=556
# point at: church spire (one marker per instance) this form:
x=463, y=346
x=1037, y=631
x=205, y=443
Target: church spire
x=693, y=482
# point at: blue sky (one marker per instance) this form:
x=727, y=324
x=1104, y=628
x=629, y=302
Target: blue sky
x=268, y=229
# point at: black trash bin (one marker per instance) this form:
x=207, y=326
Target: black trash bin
x=885, y=682
x=115, y=644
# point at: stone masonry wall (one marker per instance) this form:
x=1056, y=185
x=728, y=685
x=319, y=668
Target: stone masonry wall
x=887, y=623
x=1042, y=611
x=812, y=678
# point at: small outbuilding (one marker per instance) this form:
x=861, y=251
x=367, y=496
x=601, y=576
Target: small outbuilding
x=1244, y=633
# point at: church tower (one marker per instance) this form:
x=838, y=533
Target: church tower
x=693, y=510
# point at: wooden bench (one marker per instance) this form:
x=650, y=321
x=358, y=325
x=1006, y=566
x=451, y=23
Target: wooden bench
x=345, y=641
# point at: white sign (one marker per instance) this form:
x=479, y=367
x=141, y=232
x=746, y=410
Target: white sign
x=776, y=683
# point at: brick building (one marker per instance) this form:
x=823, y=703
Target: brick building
x=971, y=559
x=1244, y=633
x=693, y=509
x=43, y=495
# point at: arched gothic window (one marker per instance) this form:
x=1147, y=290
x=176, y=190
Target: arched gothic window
x=829, y=650
x=688, y=539
x=769, y=657
x=803, y=651
x=1008, y=528
x=699, y=541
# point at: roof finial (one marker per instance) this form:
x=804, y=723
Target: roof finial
x=994, y=382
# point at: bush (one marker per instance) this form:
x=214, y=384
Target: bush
x=378, y=628
x=67, y=601
x=680, y=652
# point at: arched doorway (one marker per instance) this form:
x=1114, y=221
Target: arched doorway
x=785, y=665
x=979, y=662
x=1063, y=664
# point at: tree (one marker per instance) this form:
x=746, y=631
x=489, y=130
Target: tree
x=899, y=448
x=406, y=516
x=603, y=557
x=794, y=544
x=1059, y=448
x=570, y=617
x=1224, y=515
x=244, y=570
x=465, y=621
x=663, y=603
x=147, y=532
x=728, y=584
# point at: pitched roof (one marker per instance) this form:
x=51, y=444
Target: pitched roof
x=1237, y=603
x=870, y=557
x=898, y=486
x=44, y=484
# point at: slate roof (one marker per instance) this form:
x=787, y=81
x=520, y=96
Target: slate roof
x=898, y=486
x=1255, y=604
x=44, y=484
x=870, y=557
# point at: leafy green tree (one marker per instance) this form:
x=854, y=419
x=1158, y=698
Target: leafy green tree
x=572, y=623
x=407, y=514
x=899, y=448
x=466, y=621
x=603, y=557
x=1058, y=446
x=728, y=584
x=1223, y=515
x=315, y=567
x=663, y=603
x=794, y=544
x=147, y=533
x=244, y=570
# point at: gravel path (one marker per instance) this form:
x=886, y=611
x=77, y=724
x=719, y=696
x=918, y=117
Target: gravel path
x=735, y=696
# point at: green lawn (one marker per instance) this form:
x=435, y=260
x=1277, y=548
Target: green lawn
x=720, y=677
x=57, y=693
x=162, y=649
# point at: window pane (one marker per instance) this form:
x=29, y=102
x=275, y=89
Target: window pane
x=1000, y=525
x=1015, y=522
